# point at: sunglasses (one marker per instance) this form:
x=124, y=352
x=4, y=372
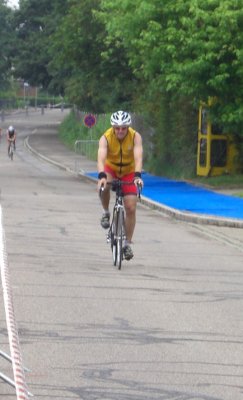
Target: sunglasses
x=120, y=128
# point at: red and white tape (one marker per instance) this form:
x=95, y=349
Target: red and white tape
x=18, y=370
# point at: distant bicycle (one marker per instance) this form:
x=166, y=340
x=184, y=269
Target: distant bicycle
x=11, y=150
x=116, y=235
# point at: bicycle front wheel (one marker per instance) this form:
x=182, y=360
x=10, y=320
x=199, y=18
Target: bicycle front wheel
x=114, y=238
x=120, y=237
x=11, y=153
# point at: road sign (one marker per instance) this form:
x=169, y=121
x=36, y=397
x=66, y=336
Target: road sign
x=89, y=120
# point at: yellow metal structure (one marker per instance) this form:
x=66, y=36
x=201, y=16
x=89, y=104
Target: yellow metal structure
x=217, y=153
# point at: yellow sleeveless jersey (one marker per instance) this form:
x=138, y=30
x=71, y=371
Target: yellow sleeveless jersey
x=120, y=157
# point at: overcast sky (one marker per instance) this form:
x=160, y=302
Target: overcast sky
x=13, y=3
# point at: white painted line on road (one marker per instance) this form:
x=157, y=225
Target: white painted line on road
x=18, y=370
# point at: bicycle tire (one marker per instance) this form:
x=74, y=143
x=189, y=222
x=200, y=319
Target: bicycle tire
x=10, y=153
x=120, y=236
x=114, y=238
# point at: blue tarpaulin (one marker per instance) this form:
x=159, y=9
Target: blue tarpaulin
x=187, y=197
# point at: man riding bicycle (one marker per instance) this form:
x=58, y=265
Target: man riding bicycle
x=11, y=137
x=120, y=155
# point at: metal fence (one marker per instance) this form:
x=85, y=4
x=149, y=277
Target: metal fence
x=87, y=148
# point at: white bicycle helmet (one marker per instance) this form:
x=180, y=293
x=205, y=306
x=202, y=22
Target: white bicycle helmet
x=121, y=118
x=11, y=129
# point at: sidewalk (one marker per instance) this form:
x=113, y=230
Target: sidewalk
x=178, y=199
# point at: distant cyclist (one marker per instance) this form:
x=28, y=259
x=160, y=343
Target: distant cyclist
x=11, y=137
x=120, y=155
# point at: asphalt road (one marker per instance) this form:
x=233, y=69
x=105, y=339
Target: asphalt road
x=167, y=326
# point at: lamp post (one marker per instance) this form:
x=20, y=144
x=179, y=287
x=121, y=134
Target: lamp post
x=26, y=85
x=36, y=94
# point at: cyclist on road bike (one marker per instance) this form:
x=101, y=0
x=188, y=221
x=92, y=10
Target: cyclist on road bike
x=11, y=136
x=120, y=155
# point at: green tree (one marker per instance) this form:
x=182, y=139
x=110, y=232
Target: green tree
x=34, y=22
x=92, y=81
x=6, y=41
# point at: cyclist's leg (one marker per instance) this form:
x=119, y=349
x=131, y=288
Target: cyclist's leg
x=105, y=201
x=105, y=198
x=130, y=203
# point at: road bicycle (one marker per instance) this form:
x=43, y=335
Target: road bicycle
x=11, y=150
x=116, y=235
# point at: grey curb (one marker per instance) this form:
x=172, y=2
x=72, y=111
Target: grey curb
x=42, y=157
x=172, y=212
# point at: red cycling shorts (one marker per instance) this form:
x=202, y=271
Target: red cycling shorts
x=126, y=189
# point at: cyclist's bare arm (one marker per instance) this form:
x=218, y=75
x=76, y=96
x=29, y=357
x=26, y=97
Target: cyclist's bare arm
x=102, y=154
x=11, y=139
x=138, y=156
x=138, y=152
